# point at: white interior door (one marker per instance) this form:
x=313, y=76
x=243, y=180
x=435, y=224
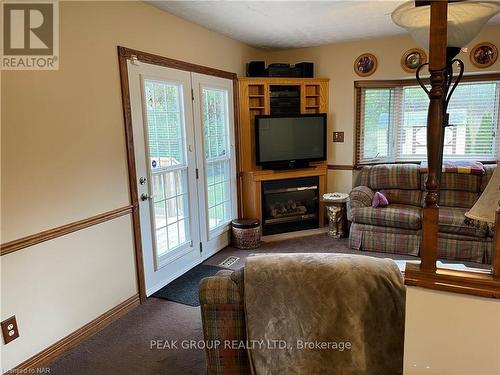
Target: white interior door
x=162, y=119
x=215, y=145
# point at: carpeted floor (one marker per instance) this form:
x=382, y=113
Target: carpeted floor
x=124, y=346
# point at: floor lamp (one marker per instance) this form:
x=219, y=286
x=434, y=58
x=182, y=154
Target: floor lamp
x=443, y=28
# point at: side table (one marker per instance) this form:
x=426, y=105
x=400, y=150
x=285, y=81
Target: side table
x=337, y=214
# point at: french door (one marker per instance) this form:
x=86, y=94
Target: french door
x=185, y=164
x=213, y=109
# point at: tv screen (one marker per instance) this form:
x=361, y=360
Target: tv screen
x=290, y=138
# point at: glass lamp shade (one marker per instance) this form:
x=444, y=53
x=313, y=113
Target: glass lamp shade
x=465, y=20
x=485, y=208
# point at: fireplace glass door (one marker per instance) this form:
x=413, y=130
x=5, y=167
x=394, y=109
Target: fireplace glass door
x=290, y=205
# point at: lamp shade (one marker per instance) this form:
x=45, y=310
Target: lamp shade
x=465, y=20
x=485, y=208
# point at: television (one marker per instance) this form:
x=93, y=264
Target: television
x=290, y=141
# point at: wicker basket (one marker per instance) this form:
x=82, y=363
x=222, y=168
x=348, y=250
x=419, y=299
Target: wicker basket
x=245, y=233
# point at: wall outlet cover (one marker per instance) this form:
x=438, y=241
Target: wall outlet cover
x=338, y=136
x=9, y=329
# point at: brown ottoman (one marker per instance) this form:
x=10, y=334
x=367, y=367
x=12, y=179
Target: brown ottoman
x=245, y=233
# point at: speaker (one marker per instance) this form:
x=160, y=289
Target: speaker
x=256, y=69
x=307, y=69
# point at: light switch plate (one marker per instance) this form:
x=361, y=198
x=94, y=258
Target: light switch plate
x=338, y=136
x=9, y=329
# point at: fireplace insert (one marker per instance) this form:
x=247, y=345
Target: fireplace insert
x=290, y=205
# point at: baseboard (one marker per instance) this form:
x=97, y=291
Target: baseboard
x=67, y=343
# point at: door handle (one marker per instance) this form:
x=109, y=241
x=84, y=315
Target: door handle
x=145, y=197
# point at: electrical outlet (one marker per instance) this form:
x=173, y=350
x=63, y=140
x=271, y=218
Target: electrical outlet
x=338, y=136
x=9, y=329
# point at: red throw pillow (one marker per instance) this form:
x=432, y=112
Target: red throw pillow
x=379, y=200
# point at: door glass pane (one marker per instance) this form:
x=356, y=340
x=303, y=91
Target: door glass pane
x=171, y=211
x=215, y=122
x=219, y=202
x=167, y=163
x=216, y=145
x=165, y=124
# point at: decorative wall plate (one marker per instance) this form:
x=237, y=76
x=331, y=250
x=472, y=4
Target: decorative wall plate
x=365, y=65
x=484, y=55
x=412, y=59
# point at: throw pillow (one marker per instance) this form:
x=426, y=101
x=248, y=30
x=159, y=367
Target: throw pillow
x=379, y=200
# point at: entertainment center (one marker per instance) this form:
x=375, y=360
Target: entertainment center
x=285, y=198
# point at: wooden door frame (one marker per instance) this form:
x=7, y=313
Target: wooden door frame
x=125, y=54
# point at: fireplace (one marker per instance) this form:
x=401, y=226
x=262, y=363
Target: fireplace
x=290, y=205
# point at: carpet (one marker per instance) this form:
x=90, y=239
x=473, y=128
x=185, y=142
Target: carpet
x=184, y=289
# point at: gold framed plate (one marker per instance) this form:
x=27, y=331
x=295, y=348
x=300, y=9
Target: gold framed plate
x=365, y=65
x=412, y=59
x=484, y=55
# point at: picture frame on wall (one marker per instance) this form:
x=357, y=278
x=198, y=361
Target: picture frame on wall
x=484, y=55
x=365, y=65
x=412, y=59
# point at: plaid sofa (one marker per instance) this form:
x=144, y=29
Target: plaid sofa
x=397, y=228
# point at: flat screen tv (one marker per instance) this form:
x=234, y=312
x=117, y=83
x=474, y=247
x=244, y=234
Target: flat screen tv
x=290, y=141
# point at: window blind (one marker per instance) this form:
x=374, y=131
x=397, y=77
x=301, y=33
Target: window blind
x=376, y=116
x=392, y=123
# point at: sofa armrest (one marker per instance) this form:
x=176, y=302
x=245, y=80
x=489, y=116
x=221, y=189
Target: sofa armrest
x=223, y=319
x=361, y=196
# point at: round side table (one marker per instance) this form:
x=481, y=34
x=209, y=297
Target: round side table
x=337, y=214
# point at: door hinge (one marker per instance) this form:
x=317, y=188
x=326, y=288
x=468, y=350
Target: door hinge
x=197, y=174
x=192, y=94
x=201, y=247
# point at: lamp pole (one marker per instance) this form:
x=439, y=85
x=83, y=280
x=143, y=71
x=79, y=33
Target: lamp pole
x=435, y=132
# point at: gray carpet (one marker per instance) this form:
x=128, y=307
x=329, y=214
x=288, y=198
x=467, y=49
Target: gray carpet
x=124, y=346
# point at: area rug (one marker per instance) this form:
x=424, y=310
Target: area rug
x=184, y=289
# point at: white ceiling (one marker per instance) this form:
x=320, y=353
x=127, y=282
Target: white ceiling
x=290, y=24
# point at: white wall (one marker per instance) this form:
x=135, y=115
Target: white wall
x=451, y=334
x=56, y=287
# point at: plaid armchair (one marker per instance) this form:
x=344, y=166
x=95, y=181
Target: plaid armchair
x=223, y=317
x=397, y=228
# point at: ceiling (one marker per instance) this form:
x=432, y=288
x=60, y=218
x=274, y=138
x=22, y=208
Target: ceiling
x=290, y=24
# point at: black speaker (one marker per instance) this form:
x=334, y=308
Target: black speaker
x=307, y=69
x=256, y=69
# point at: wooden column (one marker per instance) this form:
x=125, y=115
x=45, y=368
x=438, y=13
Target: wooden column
x=435, y=132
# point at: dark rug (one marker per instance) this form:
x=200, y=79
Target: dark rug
x=184, y=289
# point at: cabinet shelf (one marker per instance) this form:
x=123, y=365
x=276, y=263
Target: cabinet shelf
x=256, y=96
x=256, y=107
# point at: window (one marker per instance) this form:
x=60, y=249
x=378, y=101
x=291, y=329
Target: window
x=391, y=121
